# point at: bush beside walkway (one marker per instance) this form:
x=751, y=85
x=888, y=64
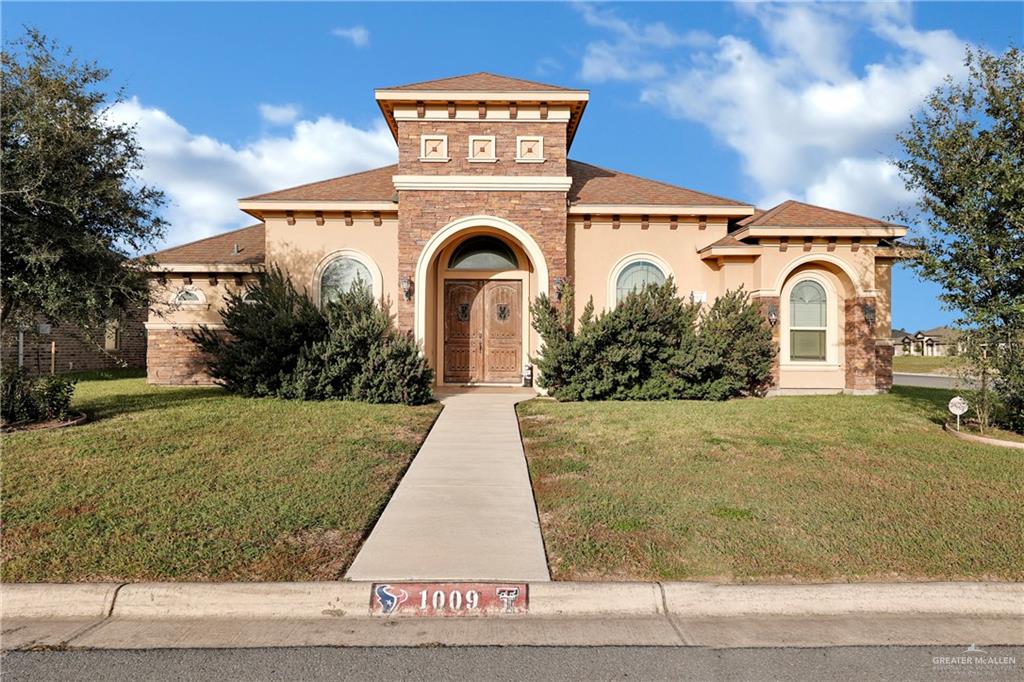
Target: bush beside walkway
x=786, y=489
x=195, y=484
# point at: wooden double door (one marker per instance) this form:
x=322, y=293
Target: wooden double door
x=483, y=331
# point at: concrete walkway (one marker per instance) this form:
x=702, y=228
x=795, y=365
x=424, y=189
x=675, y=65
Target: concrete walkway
x=465, y=509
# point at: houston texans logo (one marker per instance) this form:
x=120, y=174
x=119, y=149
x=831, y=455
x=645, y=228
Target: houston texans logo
x=388, y=600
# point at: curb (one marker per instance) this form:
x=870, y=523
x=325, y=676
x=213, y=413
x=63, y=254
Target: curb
x=984, y=440
x=351, y=599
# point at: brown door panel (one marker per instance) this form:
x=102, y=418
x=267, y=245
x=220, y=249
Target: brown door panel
x=503, y=340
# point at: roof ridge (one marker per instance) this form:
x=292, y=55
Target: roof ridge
x=662, y=183
x=317, y=182
x=219, y=235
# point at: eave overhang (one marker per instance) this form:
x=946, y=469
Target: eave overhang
x=659, y=209
x=881, y=231
x=576, y=100
x=259, y=208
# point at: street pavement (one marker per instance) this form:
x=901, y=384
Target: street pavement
x=929, y=381
x=521, y=664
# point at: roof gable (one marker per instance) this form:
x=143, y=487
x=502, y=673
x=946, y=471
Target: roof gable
x=481, y=81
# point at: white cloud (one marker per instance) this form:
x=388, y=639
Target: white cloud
x=279, y=114
x=204, y=177
x=357, y=35
x=630, y=55
x=806, y=121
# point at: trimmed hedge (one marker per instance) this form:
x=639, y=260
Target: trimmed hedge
x=654, y=346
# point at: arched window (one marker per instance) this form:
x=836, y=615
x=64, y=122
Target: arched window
x=483, y=253
x=339, y=276
x=808, y=319
x=187, y=296
x=636, y=276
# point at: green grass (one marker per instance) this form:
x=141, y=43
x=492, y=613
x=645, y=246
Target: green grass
x=815, y=488
x=922, y=365
x=195, y=484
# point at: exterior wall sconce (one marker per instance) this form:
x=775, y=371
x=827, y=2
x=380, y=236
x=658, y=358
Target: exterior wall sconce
x=406, y=285
x=559, y=287
x=773, y=314
x=869, y=314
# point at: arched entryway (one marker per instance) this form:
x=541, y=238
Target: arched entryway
x=473, y=316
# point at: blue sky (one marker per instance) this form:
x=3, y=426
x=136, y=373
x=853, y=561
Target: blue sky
x=753, y=101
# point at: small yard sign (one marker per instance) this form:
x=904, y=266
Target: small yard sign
x=958, y=406
x=448, y=599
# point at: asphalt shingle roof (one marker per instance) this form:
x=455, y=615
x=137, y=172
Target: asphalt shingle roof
x=220, y=249
x=798, y=214
x=481, y=81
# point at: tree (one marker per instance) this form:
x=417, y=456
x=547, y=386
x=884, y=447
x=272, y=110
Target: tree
x=964, y=160
x=963, y=157
x=73, y=209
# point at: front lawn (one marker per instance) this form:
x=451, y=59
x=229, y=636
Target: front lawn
x=195, y=484
x=783, y=489
x=921, y=365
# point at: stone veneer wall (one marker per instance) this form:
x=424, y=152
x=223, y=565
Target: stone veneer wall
x=174, y=359
x=883, y=364
x=74, y=352
x=860, y=347
x=423, y=213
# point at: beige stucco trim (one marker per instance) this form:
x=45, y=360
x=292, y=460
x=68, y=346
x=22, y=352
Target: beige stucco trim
x=482, y=95
x=780, y=279
x=438, y=241
x=484, y=183
x=820, y=231
x=161, y=326
x=204, y=267
x=651, y=209
x=716, y=252
x=613, y=277
x=294, y=205
x=369, y=263
x=471, y=112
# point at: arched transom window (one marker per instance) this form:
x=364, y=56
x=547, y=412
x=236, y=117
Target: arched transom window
x=340, y=275
x=483, y=253
x=636, y=276
x=808, y=322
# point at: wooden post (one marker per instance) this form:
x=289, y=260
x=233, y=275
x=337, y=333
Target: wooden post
x=53, y=358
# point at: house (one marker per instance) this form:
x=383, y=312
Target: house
x=485, y=210
x=935, y=342
x=53, y=346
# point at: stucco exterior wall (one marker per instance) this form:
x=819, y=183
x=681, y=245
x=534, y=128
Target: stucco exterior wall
x=596, y=251
x=302, y=249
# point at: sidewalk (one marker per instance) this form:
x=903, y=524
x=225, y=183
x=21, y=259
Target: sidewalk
x=465, y=509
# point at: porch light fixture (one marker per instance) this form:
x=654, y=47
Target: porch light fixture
x=773, y=314
x=559, y=287
x=406, y=285
x=869, y=314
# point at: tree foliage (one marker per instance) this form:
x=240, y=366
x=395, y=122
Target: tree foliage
x=963, y=157
x=73, y=209
x=654, y=346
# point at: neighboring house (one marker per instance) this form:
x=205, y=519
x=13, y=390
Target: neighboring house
x=484, y=211
x=936, y=342
x=67, y=348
